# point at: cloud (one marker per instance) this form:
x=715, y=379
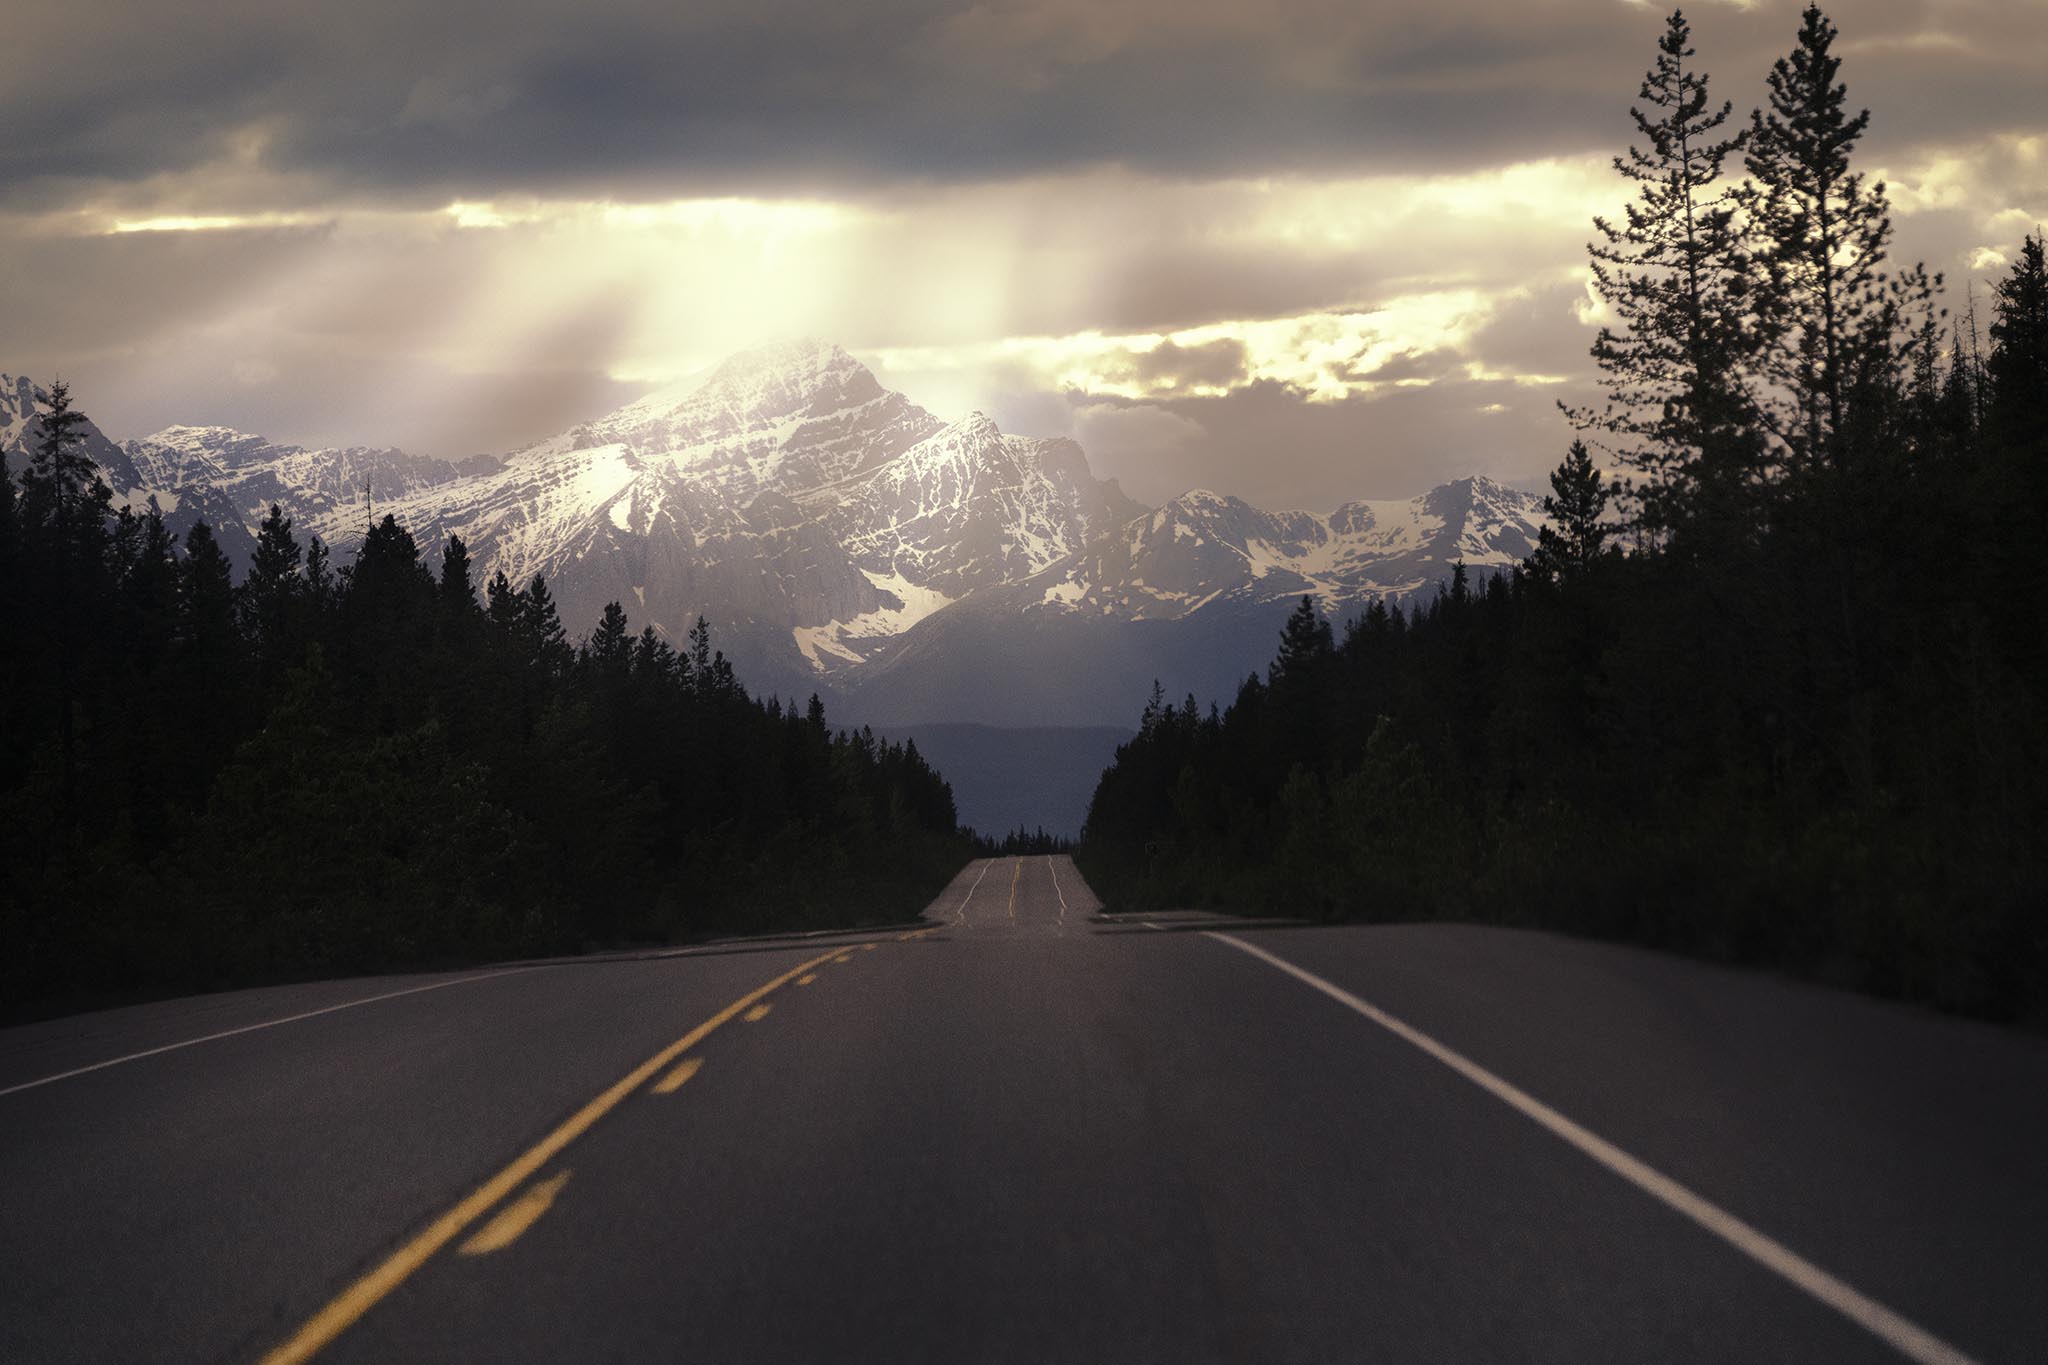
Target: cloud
x=1300, y=251
x=396, y=102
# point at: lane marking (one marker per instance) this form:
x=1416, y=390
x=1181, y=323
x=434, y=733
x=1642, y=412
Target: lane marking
x=1904, y=1336
x=1056, y=888
x=515, y=1218
x=961, y=913
x=1014, y=876
x=842, y=959
x=807, y=978
x=350, y=1305
x=252, y=1028
x=688, y=1067
x=758, y=1013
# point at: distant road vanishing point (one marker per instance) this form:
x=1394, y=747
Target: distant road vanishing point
x=1025, y=1131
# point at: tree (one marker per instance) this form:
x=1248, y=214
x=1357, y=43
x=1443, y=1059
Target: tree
x=1831, y=316
x=502, y=605
x=271, y=590
x=1577, y=507
x=611, y=644
x=1672, y=275
x=458, y=593
x=319, y=579
x=2018, y=369
x=1306, y=644
x=540, y=624
x=206, y=595
x=59, y=473
x=387, y=578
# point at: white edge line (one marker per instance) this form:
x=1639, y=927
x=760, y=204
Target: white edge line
x=1904, y=1336
x=961, y=913
x=251, y=1028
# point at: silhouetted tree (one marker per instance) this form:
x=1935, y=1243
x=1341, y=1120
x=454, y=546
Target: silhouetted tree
x=1577, y=507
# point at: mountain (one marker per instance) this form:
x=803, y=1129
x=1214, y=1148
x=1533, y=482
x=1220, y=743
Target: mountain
x=843, y=539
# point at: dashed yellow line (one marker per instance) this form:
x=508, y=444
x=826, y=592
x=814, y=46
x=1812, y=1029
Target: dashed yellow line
x=807, y=978
x=360, y=1297
x=515, y=1218
x=758, y=1013
x=669, y=1084
x=1014, y=876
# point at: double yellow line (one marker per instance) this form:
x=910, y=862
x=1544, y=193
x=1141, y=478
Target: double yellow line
x=331, y=1321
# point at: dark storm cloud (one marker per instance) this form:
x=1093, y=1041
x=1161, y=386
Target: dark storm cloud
x=417, y=103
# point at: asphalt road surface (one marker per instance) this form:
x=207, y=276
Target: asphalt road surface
x=1028, y=1133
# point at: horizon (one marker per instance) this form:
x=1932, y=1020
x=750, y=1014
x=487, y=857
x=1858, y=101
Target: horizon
x=689, y=384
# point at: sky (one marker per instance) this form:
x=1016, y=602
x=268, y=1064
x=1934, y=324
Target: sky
x=1299, y=251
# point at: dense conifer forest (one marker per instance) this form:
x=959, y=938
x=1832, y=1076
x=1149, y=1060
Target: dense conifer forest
x=1772, y=692
x=336, y=768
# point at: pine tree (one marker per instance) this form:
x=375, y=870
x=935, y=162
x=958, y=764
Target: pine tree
x=59, y=472
x=319, y=578
x=653, y=660
x=611, y=644
x=1577, y=508
x=1672, y=274
x=502, y=605
x=1838, y=325
x=270, y=592
x=458, y=593
x=2017, y=372
x=206, y=603
x=697, y=660
x=540, y=624
x=1306, y=644
x=387, y=579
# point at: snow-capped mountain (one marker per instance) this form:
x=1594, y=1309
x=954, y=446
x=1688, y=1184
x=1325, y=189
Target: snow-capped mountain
x=838, y=535
x=1202, y=548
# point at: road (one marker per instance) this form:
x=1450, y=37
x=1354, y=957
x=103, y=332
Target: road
x=1026, y=1132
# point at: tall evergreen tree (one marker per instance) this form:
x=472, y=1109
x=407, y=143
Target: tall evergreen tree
x=1671, y=272
x=1577, y=506
x=2017, y=372
x=502, y=605
x=547, y=642
x=1838, y=324
x=270, y=593
x=1306, y=643
x=611, y=644
x=458, y=592
x=60, y=475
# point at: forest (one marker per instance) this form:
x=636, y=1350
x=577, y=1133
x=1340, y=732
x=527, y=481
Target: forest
x=326, y=769
x=1771, y=688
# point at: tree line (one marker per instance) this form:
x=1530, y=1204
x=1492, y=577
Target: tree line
x=329, y=768
x=1770, y=688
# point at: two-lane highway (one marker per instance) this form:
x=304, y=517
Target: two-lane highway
x=1023, y=1132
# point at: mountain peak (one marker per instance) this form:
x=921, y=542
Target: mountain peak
x=792, y=361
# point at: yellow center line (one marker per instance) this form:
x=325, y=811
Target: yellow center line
x=758, y=1013
x=669, y=1084
x=360, y=1297
x=515, y=1218
x=1013, y=887
x=807, y=978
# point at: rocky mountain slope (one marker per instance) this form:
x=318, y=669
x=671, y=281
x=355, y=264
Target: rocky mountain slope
x=843, y=539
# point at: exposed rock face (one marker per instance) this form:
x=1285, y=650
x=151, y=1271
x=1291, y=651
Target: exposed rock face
x=838, y=534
